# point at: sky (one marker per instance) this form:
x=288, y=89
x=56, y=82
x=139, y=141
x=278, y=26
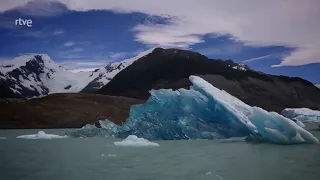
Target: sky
x=279, y=37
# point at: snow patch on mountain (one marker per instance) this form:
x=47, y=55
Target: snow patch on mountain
x=241, y=67
x=237, y=66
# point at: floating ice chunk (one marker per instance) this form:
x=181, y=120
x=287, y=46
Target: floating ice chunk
x=302, y=114
x=300, y=123
x=41, y=135
x=220, y=177
x=107, y=129
x=133, y=140
x=3, y=138
x=112, y=155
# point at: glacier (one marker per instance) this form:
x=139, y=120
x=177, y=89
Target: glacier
x=201, y=112
x=302, y=114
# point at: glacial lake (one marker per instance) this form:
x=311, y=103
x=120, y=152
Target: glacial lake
x=100, y=159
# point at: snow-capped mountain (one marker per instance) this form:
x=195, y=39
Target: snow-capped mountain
x=37, y=75
x=34, y=75
x=317, y=85
x=104, y=75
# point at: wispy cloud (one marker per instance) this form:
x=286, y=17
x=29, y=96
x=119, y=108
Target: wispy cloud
x=58, y=31
x=68, y=44
x=37, y=7
x=35, y=34
x=74, y=53
x=118, y=55
x=38, y=34
x=83, y=65
x=223, y=49
x=76, y=61
x=77, y=49
x=259, y=58
x=65, y=55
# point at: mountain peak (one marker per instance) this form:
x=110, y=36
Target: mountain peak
x=22, y=60
x=30, y=56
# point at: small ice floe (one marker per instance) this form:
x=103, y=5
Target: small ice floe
x=220, y=177
x=208, y=173
x=3, y=138
x=41, y=135
x=133, y=140
x=112, y=155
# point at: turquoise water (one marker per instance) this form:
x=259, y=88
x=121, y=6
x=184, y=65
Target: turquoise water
x=98, y=158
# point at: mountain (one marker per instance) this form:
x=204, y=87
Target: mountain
x=170, y=68
x=317, y=85
x=107, y=73
x=36, y=75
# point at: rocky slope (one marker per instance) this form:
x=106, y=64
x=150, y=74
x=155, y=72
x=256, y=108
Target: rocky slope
x=63, y=110
x=170, y=68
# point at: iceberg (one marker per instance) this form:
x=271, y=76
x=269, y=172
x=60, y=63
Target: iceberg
x=133, y=140
x=41, y=135
x=302, y=114
x=203, y=112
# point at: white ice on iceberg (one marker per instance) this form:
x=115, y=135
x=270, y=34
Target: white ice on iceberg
x=267, y=126
x=41, y=135
x=302, y=114
x=133, y=140
x=300, y=123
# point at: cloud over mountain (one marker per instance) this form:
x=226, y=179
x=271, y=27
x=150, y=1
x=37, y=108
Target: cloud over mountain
x=291, y=23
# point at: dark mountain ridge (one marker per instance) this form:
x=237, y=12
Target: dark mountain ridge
x=170, y=68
